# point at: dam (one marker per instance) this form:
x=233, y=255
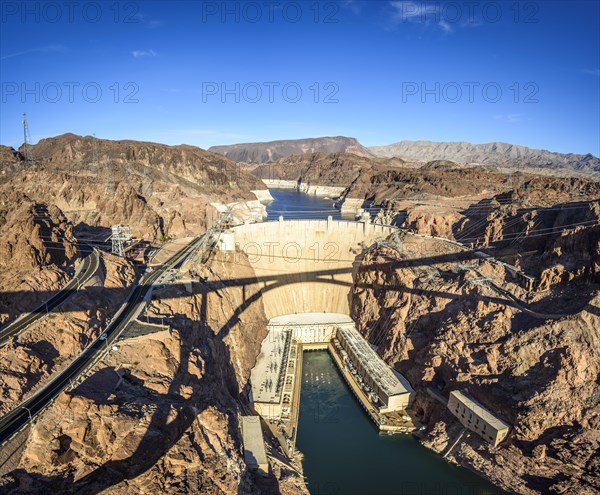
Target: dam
x=306, y=267
x=335, y=432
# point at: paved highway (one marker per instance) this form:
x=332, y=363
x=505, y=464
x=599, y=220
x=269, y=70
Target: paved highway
x=91, y=262
x=13, y=421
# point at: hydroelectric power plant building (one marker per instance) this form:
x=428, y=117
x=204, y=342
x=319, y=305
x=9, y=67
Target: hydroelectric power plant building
x=275, y=379
x=387, y=389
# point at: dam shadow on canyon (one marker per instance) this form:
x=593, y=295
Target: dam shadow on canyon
x=356, y=454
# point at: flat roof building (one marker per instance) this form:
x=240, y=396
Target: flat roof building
x=477, y=418
x=273, y=377
x=269, y=376
x=255, y=455
x=393, y=390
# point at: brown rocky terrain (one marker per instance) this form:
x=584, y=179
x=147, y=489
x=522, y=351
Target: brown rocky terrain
x=36, y=247
x=546, y=225
x=445, y=329
x=160, y=191
x=274, y=150
x=48, y=345
x=183, y=400
x=33, y=234
x=160, y=414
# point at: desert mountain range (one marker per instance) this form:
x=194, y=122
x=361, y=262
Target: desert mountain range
x=503, y=154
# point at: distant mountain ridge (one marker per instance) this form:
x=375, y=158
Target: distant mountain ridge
x=495, y=153
x=489, y=153
x=274, y=150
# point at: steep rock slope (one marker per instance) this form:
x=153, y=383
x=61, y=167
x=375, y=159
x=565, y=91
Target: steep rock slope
x=330, y=169
x=33, y=234
x=37, y=246
x=159, y=190
x=274, y=150
x=445, y=330
x=161, y=414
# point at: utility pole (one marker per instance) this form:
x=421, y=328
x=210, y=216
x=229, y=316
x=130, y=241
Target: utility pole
x=27, y=151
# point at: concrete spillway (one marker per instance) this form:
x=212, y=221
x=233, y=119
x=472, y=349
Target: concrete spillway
x=305, y=266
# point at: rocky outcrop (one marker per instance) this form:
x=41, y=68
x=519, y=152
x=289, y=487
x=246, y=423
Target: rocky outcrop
x=432, y=221
x=33, y=234
x=10, y=160
x=37, y=247
x=275, y=150
x=48, y=345
x=445, y=329
x=324, y=169
x=118, y=159
x=549, y=228
x=160, y=414
x=160, y=191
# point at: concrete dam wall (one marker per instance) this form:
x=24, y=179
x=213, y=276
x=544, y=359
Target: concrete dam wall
x=304, y=266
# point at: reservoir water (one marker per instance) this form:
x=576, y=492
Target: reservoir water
x=295, y=205
x=344, y=454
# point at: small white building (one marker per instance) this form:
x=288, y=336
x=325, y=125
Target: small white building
x=477, y=418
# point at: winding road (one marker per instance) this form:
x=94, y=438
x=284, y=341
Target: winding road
x=18, y=417
x=90, y=264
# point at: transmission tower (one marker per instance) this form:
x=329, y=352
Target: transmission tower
x=121, y=234
x=28, y=152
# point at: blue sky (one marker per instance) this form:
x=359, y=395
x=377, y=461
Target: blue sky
x=208, y=73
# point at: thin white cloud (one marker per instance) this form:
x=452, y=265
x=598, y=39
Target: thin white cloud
x=146, y=21
x=445, y=26
x=510, y=118
x=592, y=72
x=351, y=5
x=39, y=49
x=144, y=53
